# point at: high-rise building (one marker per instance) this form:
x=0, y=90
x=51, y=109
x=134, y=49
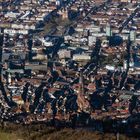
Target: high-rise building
x=1, y=45
x=108, y=30
x=30, y=44
x=132, y=35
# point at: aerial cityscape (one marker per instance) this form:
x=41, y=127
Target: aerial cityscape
x=70, y=64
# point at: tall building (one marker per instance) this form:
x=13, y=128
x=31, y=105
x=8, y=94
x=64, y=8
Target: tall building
x=58, y=3
x=91, y=40
x=1, y=37
x=81, y=82
x=133, y=35
x=108, y=30
x=1, y=45
x=30, y=45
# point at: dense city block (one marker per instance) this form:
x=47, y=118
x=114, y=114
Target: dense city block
x=71, y=63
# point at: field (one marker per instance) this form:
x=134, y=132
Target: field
x=41, y=132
